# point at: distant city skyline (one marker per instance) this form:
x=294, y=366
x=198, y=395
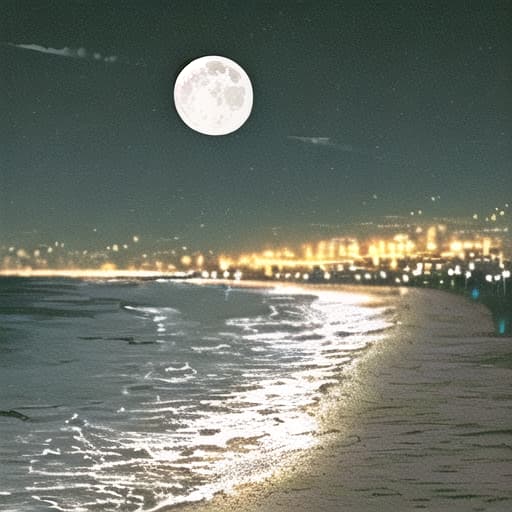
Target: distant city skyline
x=361, y=111
x=392, y=239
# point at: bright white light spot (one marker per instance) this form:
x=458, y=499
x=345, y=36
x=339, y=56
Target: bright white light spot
x=213, y=95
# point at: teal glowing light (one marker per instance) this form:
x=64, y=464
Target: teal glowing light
x=502, y=325
x=475, y=293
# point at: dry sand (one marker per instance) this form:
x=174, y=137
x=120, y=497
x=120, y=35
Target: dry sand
x=422, y=422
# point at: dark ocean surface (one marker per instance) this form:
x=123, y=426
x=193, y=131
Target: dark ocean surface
x=140, y=394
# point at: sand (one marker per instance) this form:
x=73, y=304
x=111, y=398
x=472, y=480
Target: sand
x=422, y=422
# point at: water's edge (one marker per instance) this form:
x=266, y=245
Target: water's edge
x=430, y=431
x=141, y=395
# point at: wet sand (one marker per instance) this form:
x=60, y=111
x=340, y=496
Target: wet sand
x=422, y=422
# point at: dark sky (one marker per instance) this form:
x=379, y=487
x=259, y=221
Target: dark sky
x=415, y=98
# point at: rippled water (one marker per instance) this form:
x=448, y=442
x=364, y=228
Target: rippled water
x=144, y=394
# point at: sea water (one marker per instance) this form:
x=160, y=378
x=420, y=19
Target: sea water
x=145, y=394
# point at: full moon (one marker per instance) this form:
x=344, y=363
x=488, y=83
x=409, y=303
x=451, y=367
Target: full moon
x=213, y=95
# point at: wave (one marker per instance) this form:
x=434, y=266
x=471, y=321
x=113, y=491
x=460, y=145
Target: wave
x=215, y=348
x=152, y=310
x=211, y=408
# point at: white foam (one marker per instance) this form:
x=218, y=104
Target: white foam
x=220, y=346
x=48, y=451
x=277, y=363
x=183, y=368
x=152, y=311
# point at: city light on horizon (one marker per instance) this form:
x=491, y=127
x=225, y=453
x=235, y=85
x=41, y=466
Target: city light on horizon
x=428, y=248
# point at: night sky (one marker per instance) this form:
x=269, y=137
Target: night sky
x=414, y=100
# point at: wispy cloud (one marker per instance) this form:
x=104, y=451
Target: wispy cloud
x=326, y=142
x=321, y=141
x=70, y=53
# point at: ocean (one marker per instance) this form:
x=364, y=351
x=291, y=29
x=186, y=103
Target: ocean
x=138, y=395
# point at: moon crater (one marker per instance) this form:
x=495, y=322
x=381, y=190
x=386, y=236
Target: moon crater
x=234, y=97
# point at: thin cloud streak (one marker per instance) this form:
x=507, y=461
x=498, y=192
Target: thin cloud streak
x=326, y=142
x=67, y=52
x=321, y=141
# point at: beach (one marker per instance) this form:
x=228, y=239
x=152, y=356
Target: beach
x=159, y=392
x=255, y=396
x=428, y=430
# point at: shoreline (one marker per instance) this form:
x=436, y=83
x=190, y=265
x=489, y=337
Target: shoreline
x=420, y=420
x=410, y=426
x=499, y=306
